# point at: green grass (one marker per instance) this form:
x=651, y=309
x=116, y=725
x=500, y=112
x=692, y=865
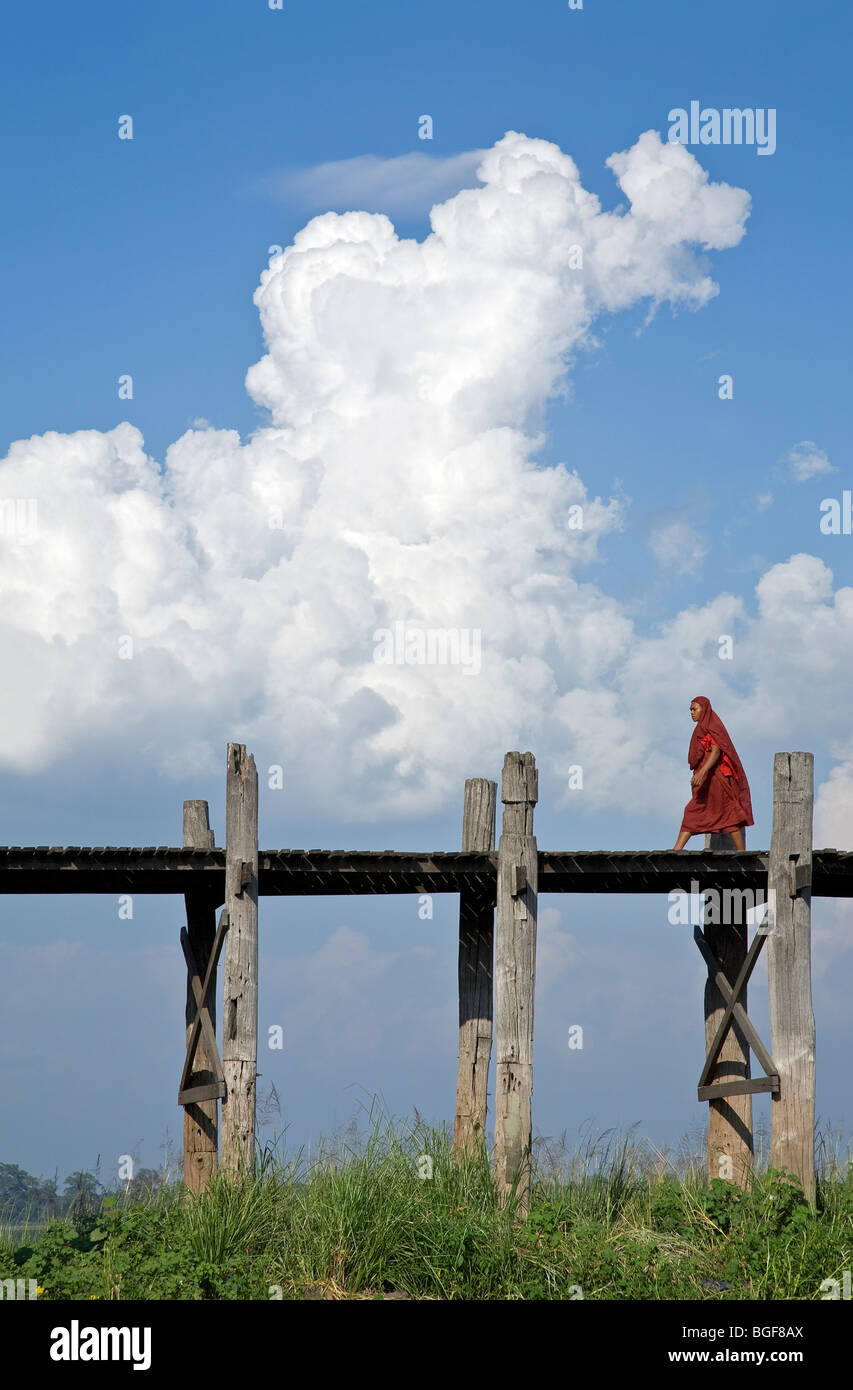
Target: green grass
x=608, y=1223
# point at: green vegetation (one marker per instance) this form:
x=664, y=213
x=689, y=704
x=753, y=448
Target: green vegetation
x=610, y=1224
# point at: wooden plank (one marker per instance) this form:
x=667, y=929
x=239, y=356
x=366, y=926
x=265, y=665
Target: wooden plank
x=198, y=1095
x=476, y=953
x=296, y=873
x=240, y=1020
x=738, y=1088
x=201, y=1118
x=792, y=1026
x=515, y=975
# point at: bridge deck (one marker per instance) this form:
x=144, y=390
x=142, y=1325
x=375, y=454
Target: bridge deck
x=297, y=872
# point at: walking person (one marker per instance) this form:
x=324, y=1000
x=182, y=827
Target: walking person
x=720, y=803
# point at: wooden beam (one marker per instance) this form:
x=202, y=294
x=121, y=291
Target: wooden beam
x=739, y=1088
x=738, y=996
x=240, y=1020
x=730, y=1152
x=476, y=954
x=721, y=981
x=792, y=1026
x=199, y=1094
x=515, y=975
x=202, y=1027
x=201, y=1119
x=318, y=872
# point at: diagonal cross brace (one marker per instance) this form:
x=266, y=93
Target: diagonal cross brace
x=734, y=1010
x=733, y=1002
x=201, y=1024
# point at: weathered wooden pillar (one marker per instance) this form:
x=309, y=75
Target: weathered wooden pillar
x=730, y=1142
x=515, y=975
x=240, y=1017
x=201, y=1127
x=476, y=953
x=792, y=1027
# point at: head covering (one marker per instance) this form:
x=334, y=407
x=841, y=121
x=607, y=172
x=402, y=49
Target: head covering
x=711, y=723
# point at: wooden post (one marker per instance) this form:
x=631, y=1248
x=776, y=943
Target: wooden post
x=730, y=1142
x=515, y=974
x=792, y=1027
x=240, y=1019
x=200, y=1119
x=476, y=952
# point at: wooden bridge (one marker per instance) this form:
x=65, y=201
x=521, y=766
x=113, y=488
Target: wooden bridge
x=339, y=872
x=496, y=967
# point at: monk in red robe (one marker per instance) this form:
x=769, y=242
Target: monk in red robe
x=720, y=803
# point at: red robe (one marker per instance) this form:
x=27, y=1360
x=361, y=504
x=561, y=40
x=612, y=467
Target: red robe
x=723, y=802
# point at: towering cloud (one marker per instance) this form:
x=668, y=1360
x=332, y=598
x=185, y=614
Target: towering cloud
x=397, y=482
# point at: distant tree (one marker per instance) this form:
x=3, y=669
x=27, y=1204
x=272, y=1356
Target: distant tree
x=146, y=1181
x=23, y=1197
x=46, y=1197
x=82, y=1192
x=16, y=1191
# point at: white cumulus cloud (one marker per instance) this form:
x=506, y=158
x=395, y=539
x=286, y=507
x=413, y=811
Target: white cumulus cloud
x=833, y=812
x=397, y=482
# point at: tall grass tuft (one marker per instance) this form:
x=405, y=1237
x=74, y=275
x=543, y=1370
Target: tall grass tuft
x=226, y=1219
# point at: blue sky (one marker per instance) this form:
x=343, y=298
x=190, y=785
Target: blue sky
x=143, y=257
